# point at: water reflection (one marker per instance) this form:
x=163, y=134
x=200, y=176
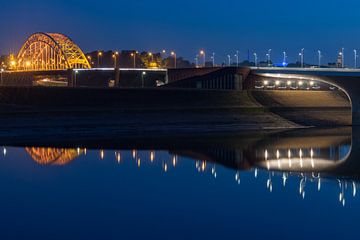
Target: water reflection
x=312, y=156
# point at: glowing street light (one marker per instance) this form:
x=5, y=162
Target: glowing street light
x=76, y=72
x=284, y=58
x=355, y=58
x=134, y=60
x=98, y=58
x=237, y=58
x=255, y=59
x=115, y=56
x=269, y=57
x=174, y=55
x=202, y=53
x=301, y=54
x=213, y=59
x=342, y=57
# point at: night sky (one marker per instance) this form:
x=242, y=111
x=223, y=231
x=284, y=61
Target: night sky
x=187, y=26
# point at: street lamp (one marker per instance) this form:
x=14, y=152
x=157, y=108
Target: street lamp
x=269, y=57
x=319, y=56
x=197, y=61
x=115, y=56
x=255, y=59
x=76, y=72
x=342, y=57
x=302, y=57
x=213, y=59
x=284, y=59
x=98, y=58
x=355, y=58
x=202, y=53
x=237, y=58
x=142, y=78
x=174, y=55
x=134, y=56
x=229, y=60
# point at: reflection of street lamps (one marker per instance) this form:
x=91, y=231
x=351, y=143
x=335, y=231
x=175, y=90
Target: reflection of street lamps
x=98, y=58
x=202, y=53
x=174, y=55
x=142, y=78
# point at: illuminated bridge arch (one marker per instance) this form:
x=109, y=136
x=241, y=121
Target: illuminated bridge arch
x=50, y=51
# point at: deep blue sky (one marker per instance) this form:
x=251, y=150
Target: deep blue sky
x=186, y=26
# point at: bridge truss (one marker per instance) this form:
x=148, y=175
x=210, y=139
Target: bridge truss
x=50, y=51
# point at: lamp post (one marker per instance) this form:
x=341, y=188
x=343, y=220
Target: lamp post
x=302, y=57
x=142, y=78
x=202, y=53
x=255, y=59
x=237, y=58
x=229, y=60
x=115, y=56
x=174, y=55
x=269, y=57
x=76, y=72
x=319, y=56
x=284, y=59
x=98, y=58
x=197, y=61
x=213, y=59
x=134, y=60
x=342, y=58
x=355, y=58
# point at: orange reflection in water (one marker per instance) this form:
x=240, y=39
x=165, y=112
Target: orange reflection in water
x=55, y=156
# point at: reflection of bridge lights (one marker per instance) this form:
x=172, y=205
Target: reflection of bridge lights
x=256, y=173
x=152, y=156
x=4, y=151
x=78, y=150
x=139, y=162
x=165, y=167
x=319, y=184
x=174, y=161
x=284, y=177
x=102, y=154
x=237, y=177
x=134, y=154
x=354, y=188
x=118, y=157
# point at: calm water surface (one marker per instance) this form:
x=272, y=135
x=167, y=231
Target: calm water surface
x=295, y=185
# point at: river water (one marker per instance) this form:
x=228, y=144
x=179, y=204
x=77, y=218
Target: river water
x=296, y=184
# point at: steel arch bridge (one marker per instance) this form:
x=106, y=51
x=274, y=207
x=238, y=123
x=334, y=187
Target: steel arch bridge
x=50, y=51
